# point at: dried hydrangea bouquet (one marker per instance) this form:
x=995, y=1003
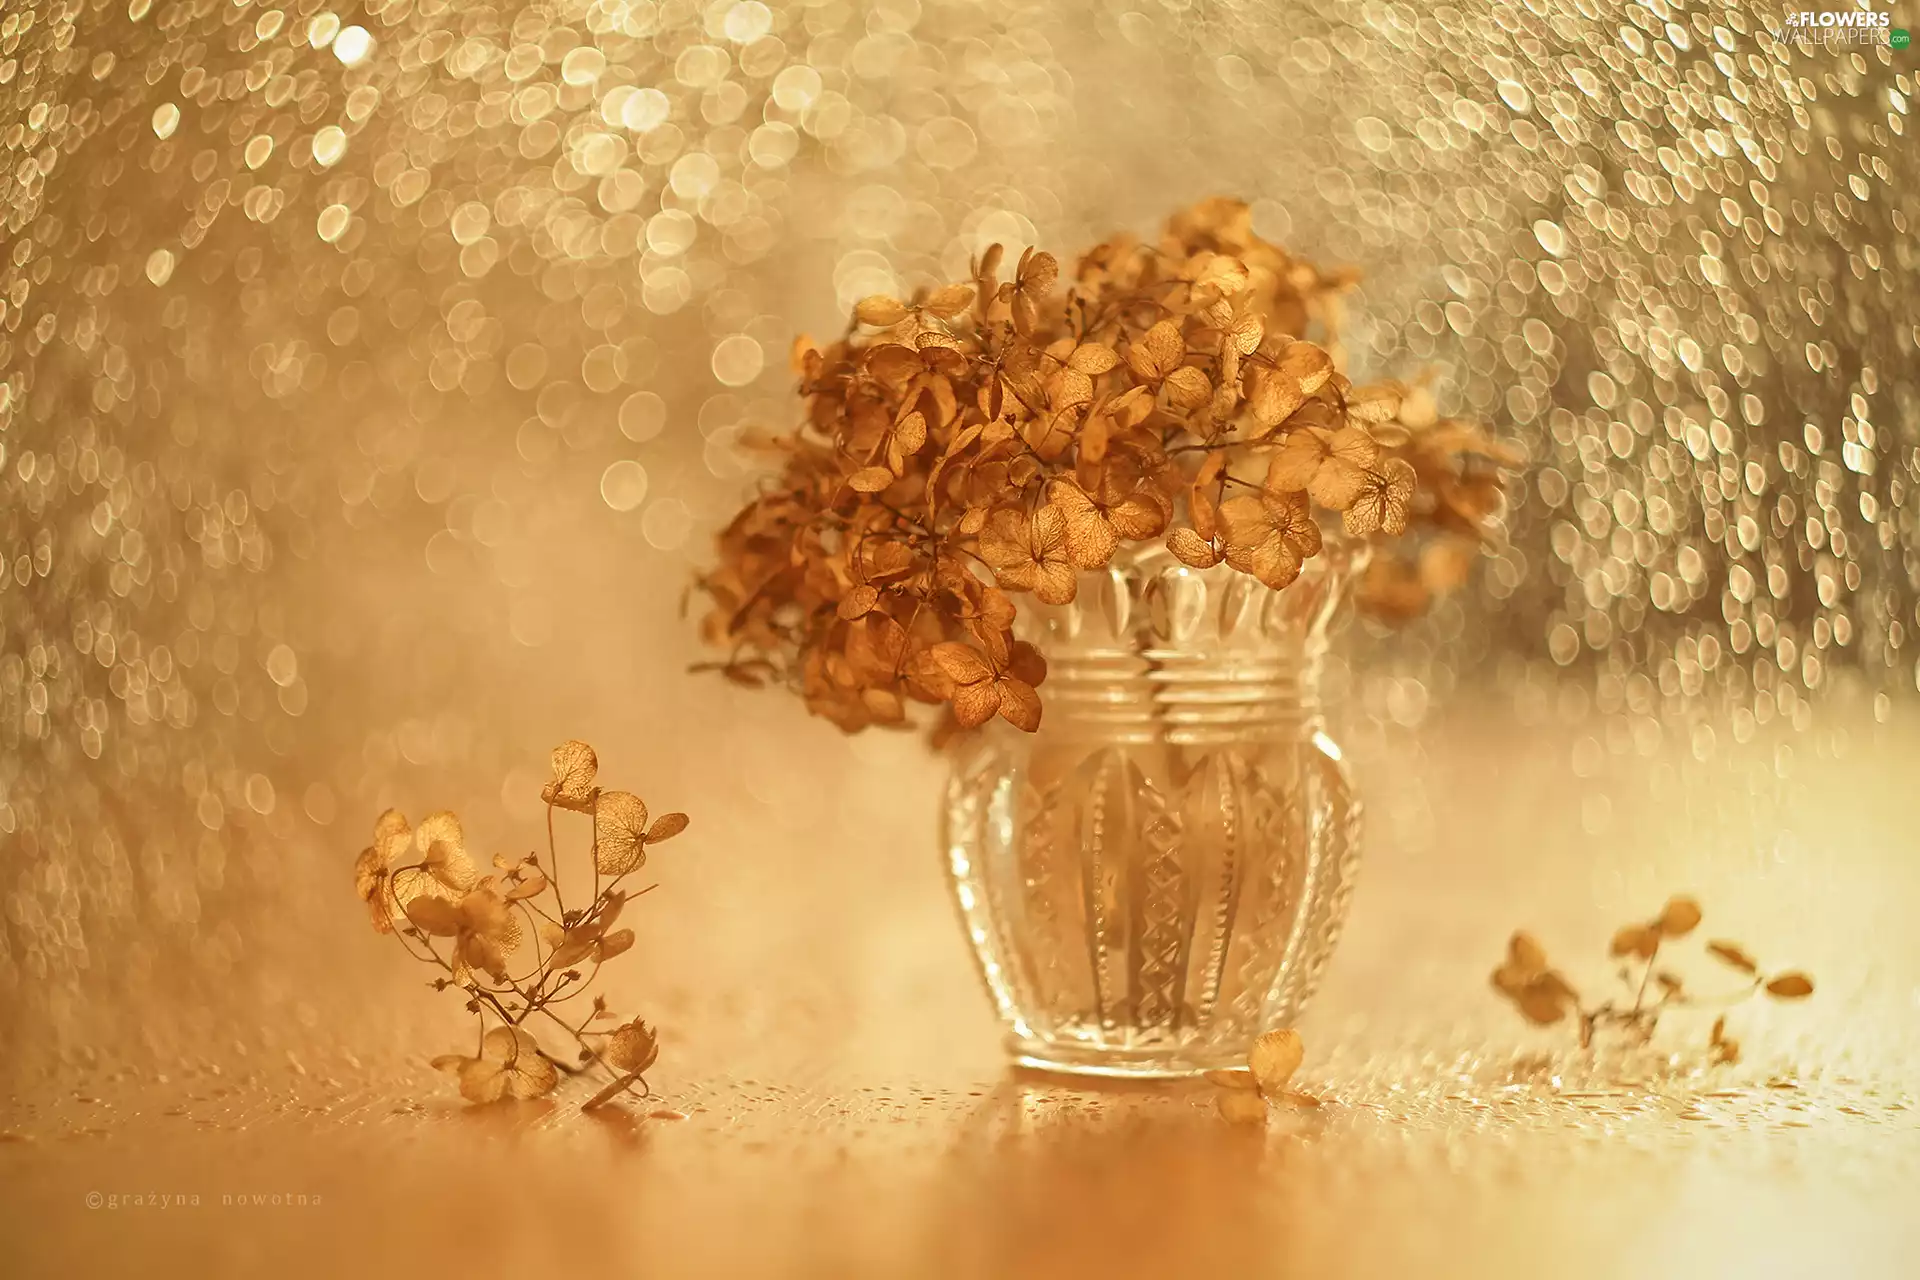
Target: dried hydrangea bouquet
x=1148, y=493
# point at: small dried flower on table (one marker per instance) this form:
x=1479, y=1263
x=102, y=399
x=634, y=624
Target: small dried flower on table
x=1544, y=997
x=420, y=885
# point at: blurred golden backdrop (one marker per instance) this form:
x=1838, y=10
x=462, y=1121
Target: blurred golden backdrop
x=372, y=377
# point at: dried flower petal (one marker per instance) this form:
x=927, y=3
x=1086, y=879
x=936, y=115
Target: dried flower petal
x=1635, y=940
x=880, y=311
x=1790, y=986
x=574, y=768
x=666, y=827
x=1093, y=359
x=436, y=916
x=391, y=836
x=532, y=884
x=443, y=850
x=962, y=663
x=1190, y=548
x=1680, y=918
x=1274, y=1058
x=371, y=884
x=1019, y=704
x=975, y=704
x=619, y=833
x=859, y=602
x=1188, y=387
x=1732, y=954
x=950, y=301
x=1158, y=352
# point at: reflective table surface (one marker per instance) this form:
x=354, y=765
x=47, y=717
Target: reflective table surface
x=832, y=1100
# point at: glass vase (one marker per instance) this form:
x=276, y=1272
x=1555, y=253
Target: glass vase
x=1161, y=871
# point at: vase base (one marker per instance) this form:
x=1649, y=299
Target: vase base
x=1117, y=1064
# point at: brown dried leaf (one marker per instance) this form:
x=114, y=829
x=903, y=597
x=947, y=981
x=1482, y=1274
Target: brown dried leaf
x=870, y=480
x=1790, y=986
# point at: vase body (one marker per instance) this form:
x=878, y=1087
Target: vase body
x=1161, y=871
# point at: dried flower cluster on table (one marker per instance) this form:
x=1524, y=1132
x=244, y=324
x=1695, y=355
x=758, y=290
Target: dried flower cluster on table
x=1544, y=997
x=420, y=885
x=993, y=438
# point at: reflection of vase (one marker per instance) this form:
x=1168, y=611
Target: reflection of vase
x=1160, y=873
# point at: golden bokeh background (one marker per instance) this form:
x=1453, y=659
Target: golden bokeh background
x=372, y=378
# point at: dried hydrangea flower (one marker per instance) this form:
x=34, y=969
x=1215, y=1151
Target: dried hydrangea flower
x=1544, y=997
x=509, y=1065
x=997, y=437
x=1539, y=992
x=420, y=886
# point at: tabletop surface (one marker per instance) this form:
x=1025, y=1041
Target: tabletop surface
x=832, y=1099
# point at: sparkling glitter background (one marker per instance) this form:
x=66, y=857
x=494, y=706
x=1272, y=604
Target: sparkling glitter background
x=370, y=378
